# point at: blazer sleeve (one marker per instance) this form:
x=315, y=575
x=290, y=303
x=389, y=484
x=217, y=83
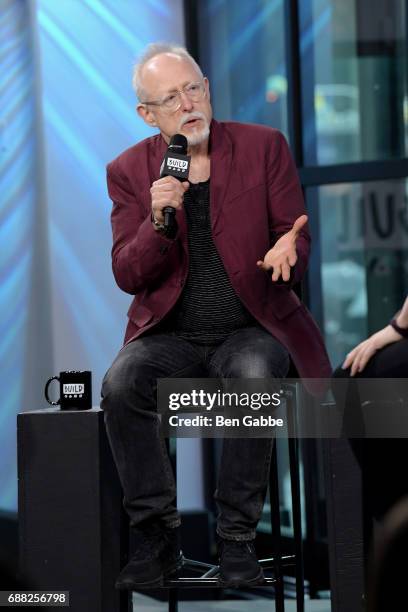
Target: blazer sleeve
x=139, y=252
x=286, y=202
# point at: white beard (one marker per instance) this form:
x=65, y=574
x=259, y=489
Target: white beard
x=200, y=135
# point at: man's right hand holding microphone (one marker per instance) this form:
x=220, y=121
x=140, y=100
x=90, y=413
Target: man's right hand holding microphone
x=166, y=191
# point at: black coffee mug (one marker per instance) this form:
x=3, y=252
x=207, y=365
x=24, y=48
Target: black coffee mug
x=75, y=390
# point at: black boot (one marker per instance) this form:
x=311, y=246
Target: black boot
x=157, y=556
x=239, y=566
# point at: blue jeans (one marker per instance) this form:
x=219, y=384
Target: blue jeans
x=129, y=402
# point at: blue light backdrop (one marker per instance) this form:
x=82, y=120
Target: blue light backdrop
x=243, y=53
x=19, y=195
x=60, y=307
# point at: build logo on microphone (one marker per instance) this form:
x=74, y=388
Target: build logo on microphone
x=176, y=165
x=182, y=164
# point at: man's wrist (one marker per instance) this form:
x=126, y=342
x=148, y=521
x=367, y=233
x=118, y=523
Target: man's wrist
x=159, y=227
x=164, y=230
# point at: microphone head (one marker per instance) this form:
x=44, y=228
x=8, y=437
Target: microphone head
x=178, y=144
x=176, y=162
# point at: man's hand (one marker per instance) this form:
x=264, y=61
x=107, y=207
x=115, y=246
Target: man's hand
x=358, y=358
x=282, y=256
x=167, y=191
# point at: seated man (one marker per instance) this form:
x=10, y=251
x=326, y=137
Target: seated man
x=216, y=295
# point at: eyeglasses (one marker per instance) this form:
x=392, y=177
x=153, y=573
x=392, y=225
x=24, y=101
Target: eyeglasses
x=171, y=103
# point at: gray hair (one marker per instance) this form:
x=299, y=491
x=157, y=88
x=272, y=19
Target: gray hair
x=151, y=51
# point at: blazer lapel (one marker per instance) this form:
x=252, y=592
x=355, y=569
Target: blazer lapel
x=220, y=170
x=221, y=162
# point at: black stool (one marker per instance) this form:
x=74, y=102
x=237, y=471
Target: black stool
x=207, y=574
x=73, y=530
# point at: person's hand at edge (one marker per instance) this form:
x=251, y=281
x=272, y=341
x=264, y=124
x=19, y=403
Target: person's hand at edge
x=358, y=358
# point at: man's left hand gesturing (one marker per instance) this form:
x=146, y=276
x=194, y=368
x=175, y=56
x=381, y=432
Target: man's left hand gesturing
x=282, y=256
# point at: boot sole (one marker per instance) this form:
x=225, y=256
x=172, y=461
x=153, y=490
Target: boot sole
x=157, y=582
x=174, y=568
x=239, y=584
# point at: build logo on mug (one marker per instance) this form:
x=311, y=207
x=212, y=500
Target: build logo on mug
x=75, y=390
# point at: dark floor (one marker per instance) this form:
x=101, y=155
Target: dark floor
x=146, y=604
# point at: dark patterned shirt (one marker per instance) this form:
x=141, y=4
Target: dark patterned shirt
x=208, y=309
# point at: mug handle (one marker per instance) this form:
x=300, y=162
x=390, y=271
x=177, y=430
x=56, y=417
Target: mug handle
x=46, y=391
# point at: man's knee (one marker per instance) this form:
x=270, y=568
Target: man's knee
x=127, y=377
x=253, y=364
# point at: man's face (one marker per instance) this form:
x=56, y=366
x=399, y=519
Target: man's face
x=163, y=75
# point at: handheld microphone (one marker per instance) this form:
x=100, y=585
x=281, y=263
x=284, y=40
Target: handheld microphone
x=176, y=163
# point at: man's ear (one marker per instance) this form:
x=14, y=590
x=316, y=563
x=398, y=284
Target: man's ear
x=207, y=87
x=146, y=115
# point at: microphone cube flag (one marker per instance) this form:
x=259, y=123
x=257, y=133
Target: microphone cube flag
x=176, y=165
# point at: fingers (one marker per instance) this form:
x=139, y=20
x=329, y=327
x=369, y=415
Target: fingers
x=262, y=266
x=299, y=223
x=165, y=180
x=352, y=359
x=285, y=268
x=348, y=361
x=167, y=191
x=292, y=258
x=358, y=358
x=355, y=366
x=169, y=183
x=277, y=271
x=361, y=360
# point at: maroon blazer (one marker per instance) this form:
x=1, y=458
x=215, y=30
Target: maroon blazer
x=255, y=197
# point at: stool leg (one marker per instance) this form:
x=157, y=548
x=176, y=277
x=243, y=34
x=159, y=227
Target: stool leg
x=125, y=597
x=296, y=507
x=128, y=597
x=276, y=531
x=173, y=600
x=173, y=593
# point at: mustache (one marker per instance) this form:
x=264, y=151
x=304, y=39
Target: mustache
x=190, y=116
